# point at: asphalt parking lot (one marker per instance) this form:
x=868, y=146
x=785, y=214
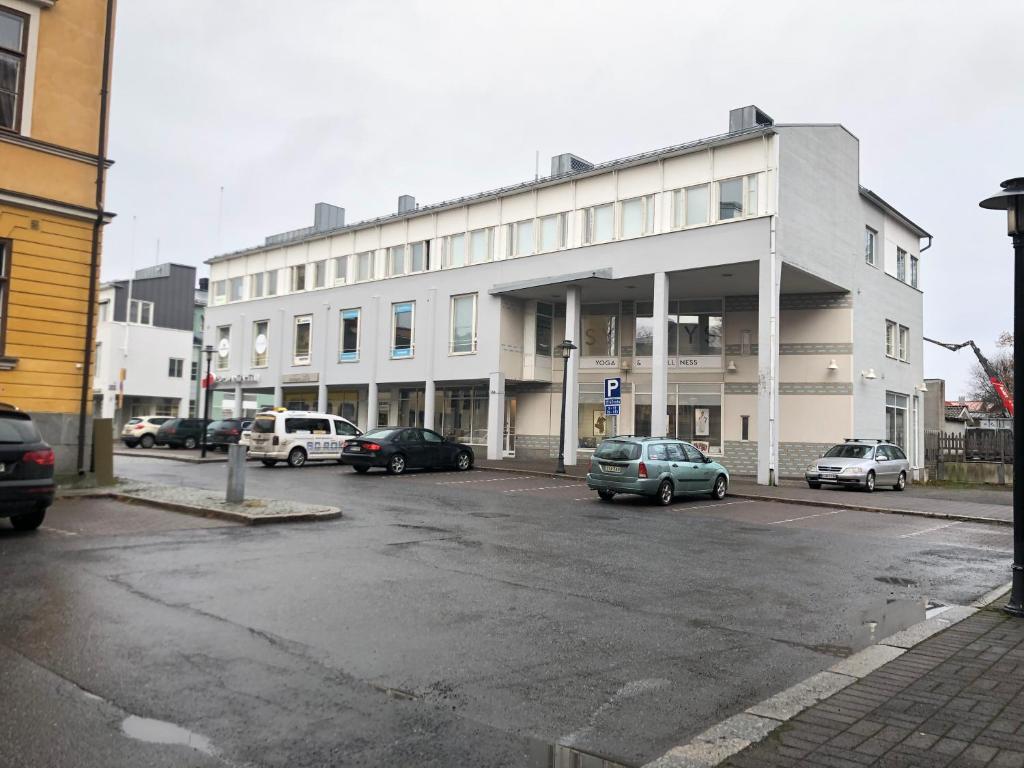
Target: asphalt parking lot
x=482, y=618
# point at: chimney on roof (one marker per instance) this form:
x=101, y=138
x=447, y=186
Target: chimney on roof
x=747, y=117
x=568, y=163
x=327, y=216
x=406, y=203
x=204, y=284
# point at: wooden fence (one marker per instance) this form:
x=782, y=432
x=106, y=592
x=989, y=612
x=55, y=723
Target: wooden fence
x=995, y=445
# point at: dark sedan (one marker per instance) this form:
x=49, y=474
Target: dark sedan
x=26, y=470
x=221, y=434
x=399, y=448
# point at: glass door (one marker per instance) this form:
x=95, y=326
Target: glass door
x=508, y=440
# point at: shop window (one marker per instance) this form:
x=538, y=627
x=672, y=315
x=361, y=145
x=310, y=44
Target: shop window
x=345, y=403
x=593, y=425
x=600, y=330
x=463, y=415
x=545, y=321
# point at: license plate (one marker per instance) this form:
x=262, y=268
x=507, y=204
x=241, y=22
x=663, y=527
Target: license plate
x=828, y=475
x=611, y=469
x=353, y=448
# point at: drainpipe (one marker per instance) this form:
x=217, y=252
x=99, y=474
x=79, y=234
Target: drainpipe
x=94, y=258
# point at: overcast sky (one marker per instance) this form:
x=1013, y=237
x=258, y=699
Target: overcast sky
x=355, y=103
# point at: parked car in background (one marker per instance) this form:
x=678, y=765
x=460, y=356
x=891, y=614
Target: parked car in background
x=181, y=433
x=299, y=436
x=655, y=467
x=246, y=435
x=221, y=434
x=141, y=430
x=399, y=448
x=26, y=470
x=861, y=464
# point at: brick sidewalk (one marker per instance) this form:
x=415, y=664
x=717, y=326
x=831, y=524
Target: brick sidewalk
x=956, y=699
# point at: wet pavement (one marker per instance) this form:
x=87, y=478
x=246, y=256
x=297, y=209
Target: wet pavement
x=448, y=619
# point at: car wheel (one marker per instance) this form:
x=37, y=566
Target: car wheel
x=665, y=493
x=720, y=487
x=190, y=443
x=901, y=483
x=463, y=461
x=605, y=494
x=147, y=441
x=129, y=443
x=396, y=464
x=29, y=521
x=869, y=482
x=814, y=486
x=269, y=462
x=296, y=457
x=362, y=470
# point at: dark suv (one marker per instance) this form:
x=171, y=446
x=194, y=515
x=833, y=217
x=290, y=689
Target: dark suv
x=181, y=433
x=26, y=470
x=221, y=434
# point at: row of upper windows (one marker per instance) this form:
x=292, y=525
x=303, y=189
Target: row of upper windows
x=871, y=257
x=691, y=206
x=462, y=339
x=897, y=341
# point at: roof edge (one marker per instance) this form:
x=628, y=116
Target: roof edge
x=874, y=198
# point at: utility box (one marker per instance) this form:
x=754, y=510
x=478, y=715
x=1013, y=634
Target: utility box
x=103, y=451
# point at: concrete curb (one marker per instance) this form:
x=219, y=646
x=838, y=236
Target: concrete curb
x=533, y=472
x=869, y=508
x=327, y=513
x=151, y=454
x=722, y=741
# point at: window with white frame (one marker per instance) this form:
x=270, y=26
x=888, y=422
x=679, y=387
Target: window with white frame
x=97, y=361
x=13, y=54
x=256, y=283
x=896, y=418
x=223, y=349
x=220, y=291
x=599, y=223
x=901, y=264
x=320, y=274
x=271, y=282
x=341, y=269
x=737, y=197
x=104, y=307
x=545, y=325
x=235, y=289
x=520, y=238
x=462, y=333
x=302, y=340
x=890, y=338
x=690, y=206
x=637, y=216
x=175, y=367
x=364, y=267
x=904, y=343
x=480, y=245
x=456, y=247
x=419, y=256
x=298, y=282
x=349, y=352
x=552, y=232
x=396, y=260
x=140, y=312
x=403, y=318
x=870, y=238
x=914, y=270
x=260, y=343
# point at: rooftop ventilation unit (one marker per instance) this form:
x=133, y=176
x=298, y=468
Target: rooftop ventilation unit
x=325, y=217
x=742, y=118
x=406, y=204
x=569, y=163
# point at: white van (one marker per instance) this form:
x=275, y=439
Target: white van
x=298, y=437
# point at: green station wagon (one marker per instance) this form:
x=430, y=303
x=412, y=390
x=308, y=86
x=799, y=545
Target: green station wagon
x=656, y=467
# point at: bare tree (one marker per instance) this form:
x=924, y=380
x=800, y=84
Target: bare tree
x=979, y=387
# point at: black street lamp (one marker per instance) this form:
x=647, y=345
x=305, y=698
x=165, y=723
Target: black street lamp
x=208, y=351
x=567, y=347
x=1011, y=200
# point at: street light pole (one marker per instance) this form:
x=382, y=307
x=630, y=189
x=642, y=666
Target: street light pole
x=567, y=347
x=1011, y=200
x=208, y=351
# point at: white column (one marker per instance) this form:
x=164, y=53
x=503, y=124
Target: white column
x=110, y=405
x=429, y=387
x=429, y=400
x=183, y=408
x=769, y=276
x=572, y=386
x=495, y=415
x=659, y=355
x=321, y=395
x=278, y=395
x=371, y=406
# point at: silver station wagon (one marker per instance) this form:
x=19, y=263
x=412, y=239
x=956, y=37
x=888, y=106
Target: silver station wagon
x=861, y=463
x=656, y=467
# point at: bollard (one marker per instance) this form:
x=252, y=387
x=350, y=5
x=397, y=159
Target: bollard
x=236, y=474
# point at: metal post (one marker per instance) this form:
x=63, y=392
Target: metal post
x=206, y=400
x=1016, y=604
x=561, y=430
x=236, y=474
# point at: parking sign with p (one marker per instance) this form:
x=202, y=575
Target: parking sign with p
x=612, y=388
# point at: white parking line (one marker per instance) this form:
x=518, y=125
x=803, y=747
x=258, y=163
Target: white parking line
x=57, y=530
x=570, y=486
x=705, y=506
x=486, y=480
x=929, y=530
x=805, y=517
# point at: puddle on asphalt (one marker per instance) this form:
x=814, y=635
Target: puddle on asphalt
x=602, y=517
x=162, y=732
x=875, y=623
x=545, y=755
x=488, y=515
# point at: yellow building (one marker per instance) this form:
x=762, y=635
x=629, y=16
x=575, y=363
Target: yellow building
x=54, y=81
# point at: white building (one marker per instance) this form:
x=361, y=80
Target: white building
x=752, y=296
x=145, y=345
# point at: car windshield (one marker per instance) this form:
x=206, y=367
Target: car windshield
x=18, y=429
x=380, y=434
x=848, y=451
x=263, y=424
x=617, y=450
